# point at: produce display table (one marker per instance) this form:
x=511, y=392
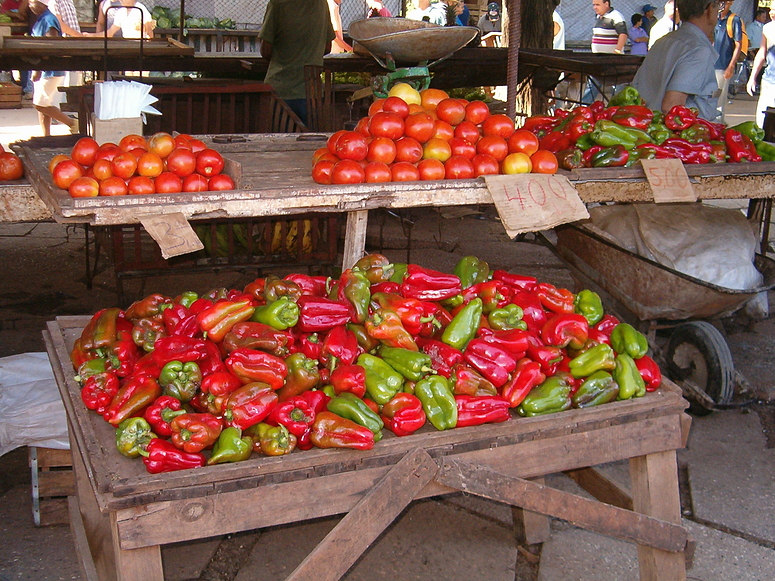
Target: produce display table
x=276, y=181
x=124, y=514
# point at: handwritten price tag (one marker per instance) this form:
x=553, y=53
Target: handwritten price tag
x=173, y=233
x=668, y=180
x=532, y=202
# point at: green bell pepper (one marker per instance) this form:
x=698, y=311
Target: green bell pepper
x=751, y=129
x=350, y=406
x=593, y=359
x=399, y=272
x=413, y=365
x=659, y=132
x=629, y=95
x=464, y=325
x=181, y=380
x=766, y=150
x=133, y=436
x=607, y=133
x=382, y=381
x=187, y=298
x=507, y=318
x=470, y=270
x=280, y=314
x=628, y=377
x=627, y=339
x=588, y=304
x=437, y=401
x=585, y=142
x=597, y=389
x=553, y=395
x=231, y=446
x=615, y=156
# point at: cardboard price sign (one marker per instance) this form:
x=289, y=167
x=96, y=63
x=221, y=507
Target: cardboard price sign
x=668, y=180
x=531, y=202
x=173, y=234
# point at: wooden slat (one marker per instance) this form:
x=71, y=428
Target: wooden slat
x=51, y=457
x=582, y=512
x=600, y=487
x=56, y=483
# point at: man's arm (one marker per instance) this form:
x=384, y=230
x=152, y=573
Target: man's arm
x=673, y=98
x=66, y=28
x=758, y=64
x=266, y=49
x=620, y=43
x=730, y=70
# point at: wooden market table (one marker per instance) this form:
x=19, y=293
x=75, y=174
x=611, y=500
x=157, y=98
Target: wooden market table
x=122, y=515
x=276, y=181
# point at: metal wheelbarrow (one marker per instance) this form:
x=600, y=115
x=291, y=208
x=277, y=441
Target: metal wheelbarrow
x=654, y=297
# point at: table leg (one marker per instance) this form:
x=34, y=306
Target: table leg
x=654, y=480
x=355, y=237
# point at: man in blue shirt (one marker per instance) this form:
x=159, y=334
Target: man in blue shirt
x=728, y=49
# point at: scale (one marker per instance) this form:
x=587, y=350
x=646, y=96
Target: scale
x=396, y=43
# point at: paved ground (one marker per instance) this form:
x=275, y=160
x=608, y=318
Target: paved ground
x=727, y=470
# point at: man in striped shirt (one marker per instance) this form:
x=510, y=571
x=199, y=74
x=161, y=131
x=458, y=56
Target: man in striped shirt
x=610, y=31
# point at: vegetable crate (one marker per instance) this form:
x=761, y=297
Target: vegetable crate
x=10, y=96
x=53, y=481
x=307, y=240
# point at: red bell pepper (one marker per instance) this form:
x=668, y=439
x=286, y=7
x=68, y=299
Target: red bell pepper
x=163, y=456
x=101, y=330
x=516, y=281
x=515, y=341
x=250, y=365
x=650, y=372
x=193, y=433
x=403, y=415
x=161, y=412
x=258, y=336
x=679, y=118
x=555, y=141
x=536, y=122
x=692, y=153
x=297, y=415
x=386, y=287
x=256, y=289
x=179, y=320
x=276, y=288
x=99, y=390
x=577, y=127
x=413, y=312
x=147, y=331
x=148, y=307
x=386, y=326
x=526, y=376
x=547, y=356
x=136, y=394
x=478, y=410
x=249, y=405
x=607, y=324
x=566, y=330
x=494, y=294
x=122, y=356
x=340, y=346
x=179, y=348
x=556, y=300
x=217, y=320
x=492, y=361
x=636, y=116
x=465, y=380
x=316, y=286
x=309, y=344
x=533, y=312
x=321, y=314
x=212, y=361
x=332, y=431
x=443, y=356
x=351, y=378
x=220, y=383
x=740, y=147
x=429, y=285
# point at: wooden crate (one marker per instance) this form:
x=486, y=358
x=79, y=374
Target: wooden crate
x=53, y=481
x=10, y=96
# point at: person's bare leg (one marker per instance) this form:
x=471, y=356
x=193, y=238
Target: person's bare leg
x=45, y=122
x=56, y=113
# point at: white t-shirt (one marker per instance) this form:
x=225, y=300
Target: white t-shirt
x=127, y=19
x=558, y=43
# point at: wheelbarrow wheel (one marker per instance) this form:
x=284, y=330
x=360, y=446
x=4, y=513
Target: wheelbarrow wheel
x=698, y=352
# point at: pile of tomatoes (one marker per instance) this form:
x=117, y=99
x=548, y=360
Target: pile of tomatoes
x=427, y=135
x=161, y=164
x=11, y=167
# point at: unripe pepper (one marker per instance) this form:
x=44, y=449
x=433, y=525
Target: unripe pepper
x=437, y=401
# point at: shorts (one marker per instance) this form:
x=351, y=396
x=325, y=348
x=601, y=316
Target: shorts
x=45, y=92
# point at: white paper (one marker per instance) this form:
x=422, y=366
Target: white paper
x=123, y=99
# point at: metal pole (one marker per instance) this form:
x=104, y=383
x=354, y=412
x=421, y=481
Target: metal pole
x=512, y=69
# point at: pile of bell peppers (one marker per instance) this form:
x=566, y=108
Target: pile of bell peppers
x=288, y=364
x=626, y=131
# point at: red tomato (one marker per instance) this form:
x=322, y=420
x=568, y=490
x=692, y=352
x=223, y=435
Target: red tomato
x=347, y=171
x=431, y=169
x=443, y=130
x=377, y=172
x=321, y=171
x=485, y=165
x=113, y=186
x=516, y=163
x=132, y=141
x=55, y=160
x=523, y=141
x=150, y=165
x=197, y=145
x=161, y=144
x=138, y=152
x=195, y=183
x=362, y=127
x=458, y=167
x=544, y=162
x=11, y=167
x=107, y=151
x=220, y=182
x=376, y=106
x=419, y=126
x=494, y=146
x=140, y=186
x=84, y=151
x=102, y=169
x=124, y=165
x=209, y=162
x=437, y=149
x=451, y=110
x=65, y=173
x=396, y=105
x=331, y=143
x=408, y=149
x=352, y=146
x=403, y=171
x=84, y=187
x=477, y=112
x=468, y=131
x=386, y=124
x=321, y=153
x=382, y=149
x=181, y=162
x=499, y=125
x=430, y=98
x=168, y=183
x=462, y=147
x=183, y=141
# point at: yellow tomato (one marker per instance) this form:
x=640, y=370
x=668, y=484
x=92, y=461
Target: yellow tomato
x=406, y=92
x=515, y=163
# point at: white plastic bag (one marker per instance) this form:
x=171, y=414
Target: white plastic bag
x=31, y=410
